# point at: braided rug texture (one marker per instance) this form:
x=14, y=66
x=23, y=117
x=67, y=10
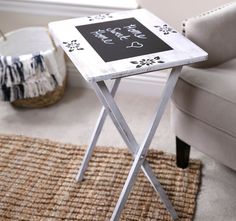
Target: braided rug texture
x=37, y=182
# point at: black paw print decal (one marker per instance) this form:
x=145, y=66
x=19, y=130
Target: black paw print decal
x=99, y=17
x=165, y=29
x=73, y=45
x=147, y=62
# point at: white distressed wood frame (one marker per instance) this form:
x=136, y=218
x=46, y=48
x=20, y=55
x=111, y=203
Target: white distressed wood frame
x=92, y=66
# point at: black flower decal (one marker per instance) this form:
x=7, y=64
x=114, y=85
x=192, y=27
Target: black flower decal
x=99, y=17
x=147, y=62
x=73, y=45
x=165, y=29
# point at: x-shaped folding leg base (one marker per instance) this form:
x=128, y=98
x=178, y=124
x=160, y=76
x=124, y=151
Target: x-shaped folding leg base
x=139, y=152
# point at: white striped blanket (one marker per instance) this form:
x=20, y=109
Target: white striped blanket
x=31, y=75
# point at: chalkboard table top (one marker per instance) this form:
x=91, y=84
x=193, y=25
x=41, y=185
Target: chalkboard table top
x=122, y=44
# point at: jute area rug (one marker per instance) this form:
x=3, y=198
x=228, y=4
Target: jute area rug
x=37, y=182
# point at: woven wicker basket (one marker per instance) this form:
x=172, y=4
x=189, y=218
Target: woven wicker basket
x=48, y=99
x=33, y=40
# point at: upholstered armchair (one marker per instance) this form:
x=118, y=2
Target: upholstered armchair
x=204, y=100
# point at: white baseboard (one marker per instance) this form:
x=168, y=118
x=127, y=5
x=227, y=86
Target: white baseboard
x=149, y=84
x=63, y=8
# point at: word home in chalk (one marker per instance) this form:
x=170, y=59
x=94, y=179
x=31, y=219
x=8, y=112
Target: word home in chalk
x=121, y=39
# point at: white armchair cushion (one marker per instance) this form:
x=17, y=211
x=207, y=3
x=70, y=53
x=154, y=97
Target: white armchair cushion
x=209, y=95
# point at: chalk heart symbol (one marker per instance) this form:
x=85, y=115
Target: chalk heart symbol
x=135, y=44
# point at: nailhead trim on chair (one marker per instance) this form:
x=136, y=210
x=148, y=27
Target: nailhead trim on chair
x=183, y=26
x=184, y=23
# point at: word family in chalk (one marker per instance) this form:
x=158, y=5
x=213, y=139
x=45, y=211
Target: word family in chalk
x=117, y=32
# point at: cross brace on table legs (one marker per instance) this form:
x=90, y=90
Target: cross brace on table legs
x=139, y=153
x=95, y=136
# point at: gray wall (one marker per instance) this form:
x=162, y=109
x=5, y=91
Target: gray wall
x=175, y=11
x=13, y=20
x=171, y=11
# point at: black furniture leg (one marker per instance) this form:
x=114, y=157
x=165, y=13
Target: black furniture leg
x=182, y=153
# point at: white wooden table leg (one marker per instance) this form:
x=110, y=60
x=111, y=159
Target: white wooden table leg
x=128, y=137
x=117, y=118
x=166, y=94
x=95, y=135
x=168, y=90
x=133, y=173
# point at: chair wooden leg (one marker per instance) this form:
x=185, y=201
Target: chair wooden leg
x=182, y=153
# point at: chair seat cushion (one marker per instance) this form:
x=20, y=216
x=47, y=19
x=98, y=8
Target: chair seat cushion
x=209, y=95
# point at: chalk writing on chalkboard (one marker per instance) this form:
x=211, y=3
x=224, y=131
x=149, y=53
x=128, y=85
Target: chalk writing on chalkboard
x=121, y=39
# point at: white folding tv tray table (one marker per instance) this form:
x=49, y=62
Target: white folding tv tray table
x=118, y=45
